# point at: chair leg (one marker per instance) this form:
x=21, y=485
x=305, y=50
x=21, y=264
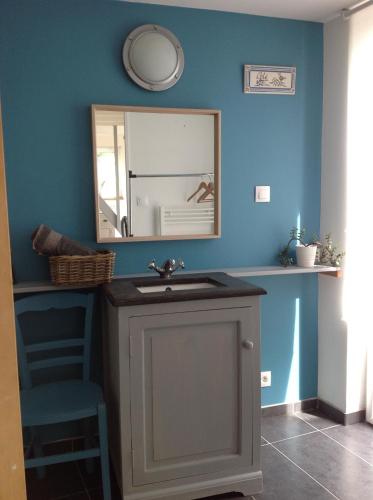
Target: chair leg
x=38, y=451
x=104, y=451
x=89, y=462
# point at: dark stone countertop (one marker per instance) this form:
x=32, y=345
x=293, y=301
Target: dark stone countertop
x=123, y=292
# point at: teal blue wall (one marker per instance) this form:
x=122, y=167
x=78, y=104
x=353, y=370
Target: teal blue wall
x=289, y=337
x=57, y=58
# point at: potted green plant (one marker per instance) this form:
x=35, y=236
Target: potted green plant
x=328, y=254
x=305, y=252
x=324, y=252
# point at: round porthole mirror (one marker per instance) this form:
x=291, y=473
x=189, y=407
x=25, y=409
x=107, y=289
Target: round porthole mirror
x=153, y=57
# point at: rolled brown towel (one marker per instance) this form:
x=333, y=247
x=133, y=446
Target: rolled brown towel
x=46, y=241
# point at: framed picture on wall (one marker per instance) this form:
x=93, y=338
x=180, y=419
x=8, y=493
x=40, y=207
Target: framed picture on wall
x=269, y=79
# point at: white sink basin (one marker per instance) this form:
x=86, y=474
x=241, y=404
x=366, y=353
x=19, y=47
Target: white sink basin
x=173, y=287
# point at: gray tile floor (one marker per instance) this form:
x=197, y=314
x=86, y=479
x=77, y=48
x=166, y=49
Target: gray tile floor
x=304, y=456
x=308, y=456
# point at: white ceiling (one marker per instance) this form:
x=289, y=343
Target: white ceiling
x=308, y=10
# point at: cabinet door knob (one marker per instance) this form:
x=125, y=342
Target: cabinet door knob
x=248, y=344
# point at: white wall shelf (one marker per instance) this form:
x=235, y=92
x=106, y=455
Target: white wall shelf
x=242, y=272
x=237, y=272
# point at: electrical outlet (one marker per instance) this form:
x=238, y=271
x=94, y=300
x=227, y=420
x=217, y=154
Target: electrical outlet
x=265, y=379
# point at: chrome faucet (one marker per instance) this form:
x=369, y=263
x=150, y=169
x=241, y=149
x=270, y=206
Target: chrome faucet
x=168, y=267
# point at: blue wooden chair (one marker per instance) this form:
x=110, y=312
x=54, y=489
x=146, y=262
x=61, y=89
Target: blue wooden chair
x=67, y=400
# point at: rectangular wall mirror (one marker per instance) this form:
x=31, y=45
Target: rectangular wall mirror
x=156, y=172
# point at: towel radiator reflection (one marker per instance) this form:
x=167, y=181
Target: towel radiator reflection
x=186, y=220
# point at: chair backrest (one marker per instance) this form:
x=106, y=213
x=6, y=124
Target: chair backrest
x=55, y=301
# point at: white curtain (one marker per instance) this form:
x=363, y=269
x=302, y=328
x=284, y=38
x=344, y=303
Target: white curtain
x=359, y=242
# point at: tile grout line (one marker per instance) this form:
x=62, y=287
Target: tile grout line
x=345, y=447
x=305, y=472
x=266, y=442
x=333, y=439
x=80, y=474
x=313, y=427
x=67, y=497
x=293, y=437
x=300, y=468
x=83, y=482
x=329, y=427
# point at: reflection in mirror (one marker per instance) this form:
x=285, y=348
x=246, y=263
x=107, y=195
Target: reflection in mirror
x=156, y=173
x=111, y=174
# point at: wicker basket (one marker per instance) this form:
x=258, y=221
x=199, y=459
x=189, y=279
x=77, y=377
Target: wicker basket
x=82, y=269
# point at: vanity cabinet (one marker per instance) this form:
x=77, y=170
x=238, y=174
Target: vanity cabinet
x=182, y=387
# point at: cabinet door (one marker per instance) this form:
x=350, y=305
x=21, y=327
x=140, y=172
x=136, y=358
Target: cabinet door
x=192, y=393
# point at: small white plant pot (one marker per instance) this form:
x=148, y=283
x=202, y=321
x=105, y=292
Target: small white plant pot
x=306, y=255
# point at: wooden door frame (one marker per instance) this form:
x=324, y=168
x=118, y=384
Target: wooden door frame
x=12, y=473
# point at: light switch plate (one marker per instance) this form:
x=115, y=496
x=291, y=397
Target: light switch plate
x=262, y=194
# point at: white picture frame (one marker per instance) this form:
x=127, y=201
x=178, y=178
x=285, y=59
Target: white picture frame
x=269, y=79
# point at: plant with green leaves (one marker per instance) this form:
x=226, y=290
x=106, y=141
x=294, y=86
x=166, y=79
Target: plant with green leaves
x=328, y=254
x=295, y=235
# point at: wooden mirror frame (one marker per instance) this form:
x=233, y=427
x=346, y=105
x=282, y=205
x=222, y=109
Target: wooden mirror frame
x=217, y=171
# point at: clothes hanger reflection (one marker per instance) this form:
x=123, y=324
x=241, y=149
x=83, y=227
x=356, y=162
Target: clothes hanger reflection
x=207, y=191
x=202, y=186
x=208, y=195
